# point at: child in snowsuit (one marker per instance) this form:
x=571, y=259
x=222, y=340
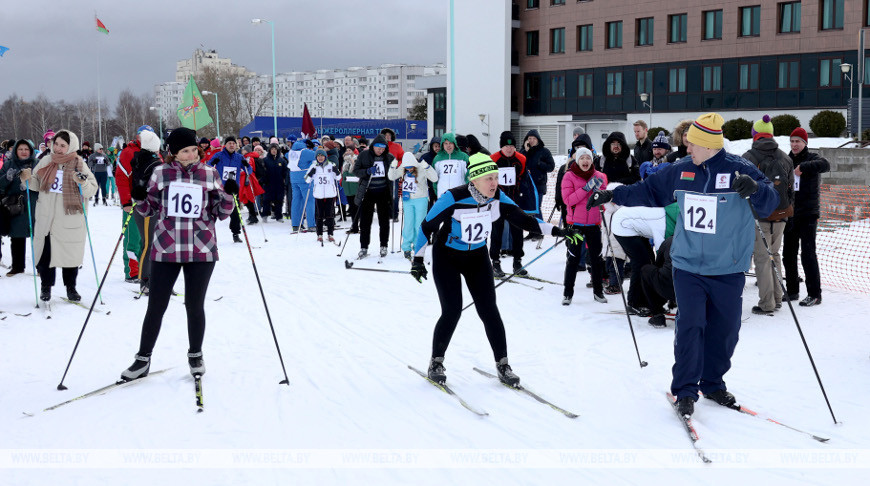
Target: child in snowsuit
x=323, y=177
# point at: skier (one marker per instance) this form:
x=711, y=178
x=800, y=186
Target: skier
x=712, y=247
x=230, y=164
x=371, y=168
x=324, y=175
x=457, y=226
x=184, y=241
x=415, y=195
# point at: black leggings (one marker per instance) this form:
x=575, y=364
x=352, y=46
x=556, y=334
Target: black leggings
x=640, y=253
x=163, y=277
x=447, y=267
x=592, y=239
x=497, y=235
x=324, y=212
x=383, y=199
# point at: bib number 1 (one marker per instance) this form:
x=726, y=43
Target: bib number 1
x=185, y=200
x=699, y=214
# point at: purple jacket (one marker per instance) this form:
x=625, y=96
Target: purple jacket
x=177, y=238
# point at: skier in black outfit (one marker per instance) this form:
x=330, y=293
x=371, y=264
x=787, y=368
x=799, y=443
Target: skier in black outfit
x=374, y=190
x=457, y=226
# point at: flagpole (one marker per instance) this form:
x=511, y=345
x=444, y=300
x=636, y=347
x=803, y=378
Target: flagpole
x=193, y=101
x=99, y=107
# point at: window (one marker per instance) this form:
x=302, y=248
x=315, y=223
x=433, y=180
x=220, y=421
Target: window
x=614, y=35
x=829, y=73
x=557, y=2
x=866, y=13
x=677, y=28
x=614, y=83
x=750, y=21
x=533, y=88
x=584, y=37
x=644, y=81
x=831, y=14
x=788, y=74
x=677, y=82
x=557, y=86
x=584, y=85
x=644, y=32
x=712, y=25
x=557, y=41
x=532, y=3
x=789, y=17
x=532, y=43
x=749, y=76
x=712, y=78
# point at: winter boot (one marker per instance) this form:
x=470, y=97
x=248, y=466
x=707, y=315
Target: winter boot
x=505, y=374
x=383, y=251
x=810, y=301
x=45, y=295
x=295, y=229
x=132, y=280
x=138, y=369
x=600, y=298
x=236, y=238
x=612, y=290
x=518, y=268
x=685, y=406
x=436, y=370
x=658, y=321
x=330, y=239
x=363, y=252
x=253, y=220
x=722, y=397
x=197, y=367
x=320, y=240
x=496, y=269
x=566, y=300
x=407, y=255
x=758, y=310
x=794, y=296
x=72, y=295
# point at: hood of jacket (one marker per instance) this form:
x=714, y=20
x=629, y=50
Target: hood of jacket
x=391, y=132
x=536, y=134
x=766, y=146
x=616, y=137
x=434, y=140
x=585, y=140
x=474, y=145
x=14, y=157
x=299, y=145
x=448, y=137
x=73, y=141
x=379, y=139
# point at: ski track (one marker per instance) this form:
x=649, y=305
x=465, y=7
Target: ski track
x=347, y=337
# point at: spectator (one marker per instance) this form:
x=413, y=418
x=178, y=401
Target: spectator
x=618, y=163
x=643, y=149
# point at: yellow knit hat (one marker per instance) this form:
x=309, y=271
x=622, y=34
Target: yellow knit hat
x=706, y=131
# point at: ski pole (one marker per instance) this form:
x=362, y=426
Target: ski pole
x=402, y=225
x=541, y=241
x=61, y=386
x=790, y=306
x=90, y=243
x=622, y=294
x=286, y=380
x=32, y=252
x=304, y=208
x=504, y=280
x=257, y=207
x=349, y=265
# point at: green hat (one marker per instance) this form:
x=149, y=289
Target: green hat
x=480, y=165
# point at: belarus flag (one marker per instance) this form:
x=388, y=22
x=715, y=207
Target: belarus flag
x=101, y=27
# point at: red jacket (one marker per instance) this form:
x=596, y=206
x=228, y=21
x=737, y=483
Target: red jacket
x=123, y=171
x=396, y=150
x=575, y=198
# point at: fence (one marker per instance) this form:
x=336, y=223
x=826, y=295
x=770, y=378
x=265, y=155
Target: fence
x=842, y=239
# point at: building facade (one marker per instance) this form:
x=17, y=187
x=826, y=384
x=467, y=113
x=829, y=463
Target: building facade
x=588, y=62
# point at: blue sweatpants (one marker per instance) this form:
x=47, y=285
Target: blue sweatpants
x=414, y=212
x=300, y=190
x=707, y=328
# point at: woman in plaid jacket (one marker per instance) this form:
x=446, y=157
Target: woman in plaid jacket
x=185, y=196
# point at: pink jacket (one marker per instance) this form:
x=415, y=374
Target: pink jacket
x=575, y=198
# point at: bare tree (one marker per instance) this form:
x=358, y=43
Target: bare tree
x=43, y=115
x=236, y=96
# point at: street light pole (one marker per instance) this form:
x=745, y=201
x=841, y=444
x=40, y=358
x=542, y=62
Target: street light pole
x=160, y=120
x=274, y=84
x=217, y=111
x=643, y=98
x=845, y=68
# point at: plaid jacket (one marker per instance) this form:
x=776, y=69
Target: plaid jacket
x=180, y=239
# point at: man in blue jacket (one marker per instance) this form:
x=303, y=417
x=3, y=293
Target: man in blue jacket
x=230, y=164
x=712, y=247
x=299, y=160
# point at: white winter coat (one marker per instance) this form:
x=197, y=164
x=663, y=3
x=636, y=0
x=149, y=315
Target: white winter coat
x=323, y=179
x=425, y=172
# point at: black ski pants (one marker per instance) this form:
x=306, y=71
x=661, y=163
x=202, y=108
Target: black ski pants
x=591, y=238
x=800, y=233
x=163, y=277
x=497, y=235
x=640, y=253
x=324, y=212
x=382, y=199
x=448, y=266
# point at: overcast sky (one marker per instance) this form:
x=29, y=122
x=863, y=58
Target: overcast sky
x=54, y=50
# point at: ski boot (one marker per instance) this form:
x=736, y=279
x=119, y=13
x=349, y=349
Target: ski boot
x=72, y=295
x=518, y=268
x=407, y=255
x=45, y=294
x=496, y=269
x=566, y=300
x=436, y=370
x=505, y=374
x=236, y=238
x=600, y=298
x=364, y=252
x=685, y=406
x=138, y=369
x=383, y=251
x=722, y=397
x=330, y=239
x=197, y=366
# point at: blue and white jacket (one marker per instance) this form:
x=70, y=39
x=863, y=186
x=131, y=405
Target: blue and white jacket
x=729, y=248
x=447, y=212
x=299, y=160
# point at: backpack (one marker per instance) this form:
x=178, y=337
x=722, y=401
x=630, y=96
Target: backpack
x=143, y=165
x=780, y=174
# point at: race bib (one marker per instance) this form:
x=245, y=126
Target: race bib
x=101, y=160
x=321, y=180
x=57, y=185
x=476, y=227
x=723, y=181
x=449, y=168
x=379, y=169
x=229, y=172
x=797, y=182
x=409, y=186
x=507, y=176
x=700, y=213
x=185, y=200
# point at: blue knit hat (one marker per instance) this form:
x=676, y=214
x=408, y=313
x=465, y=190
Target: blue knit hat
x=320, y=151
x=661, y=141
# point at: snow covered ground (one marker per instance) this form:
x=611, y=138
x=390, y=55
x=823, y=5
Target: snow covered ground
x=740, y=147
x=355, y=414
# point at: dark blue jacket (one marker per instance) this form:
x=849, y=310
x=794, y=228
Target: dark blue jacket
x=226, y=163
x=276, y=175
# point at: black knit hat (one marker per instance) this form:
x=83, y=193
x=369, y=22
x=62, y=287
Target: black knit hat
x=204, y=140
x=229, y=139
x=507, y=138
x=181, y=138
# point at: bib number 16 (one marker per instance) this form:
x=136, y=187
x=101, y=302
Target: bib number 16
x=185, y=200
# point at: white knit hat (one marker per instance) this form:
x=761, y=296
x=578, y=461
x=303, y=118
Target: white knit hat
x=149, y=141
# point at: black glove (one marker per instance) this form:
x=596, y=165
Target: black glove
x=744, y=185
x=570, y=233
x=231, y=187
x=245, y=163
x=138, y=193
x=418, y=269
x=598, y=198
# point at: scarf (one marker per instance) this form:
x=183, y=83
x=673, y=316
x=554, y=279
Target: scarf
x=72, y=201
x=583, y=174
x=476, y=195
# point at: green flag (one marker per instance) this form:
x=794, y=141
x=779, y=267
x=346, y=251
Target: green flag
x=192, y=111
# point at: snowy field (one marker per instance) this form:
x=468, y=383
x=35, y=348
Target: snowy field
x=355, y=414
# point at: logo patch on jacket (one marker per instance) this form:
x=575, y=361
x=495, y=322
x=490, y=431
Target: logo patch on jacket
x=687, y=176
